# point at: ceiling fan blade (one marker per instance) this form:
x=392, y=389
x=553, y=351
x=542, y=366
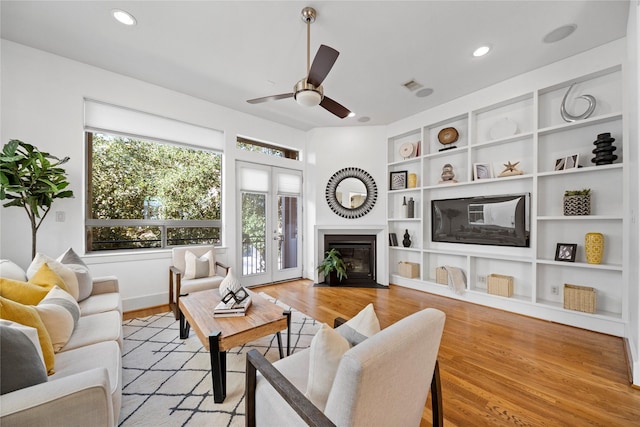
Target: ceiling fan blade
x=322, y=64
x=270, y=98
x=333, y=107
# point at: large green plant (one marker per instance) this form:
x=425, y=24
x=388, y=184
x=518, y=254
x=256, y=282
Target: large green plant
x=31, y=179
x=333, y=262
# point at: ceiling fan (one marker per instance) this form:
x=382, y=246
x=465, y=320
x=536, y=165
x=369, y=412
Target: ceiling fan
x=308, y=91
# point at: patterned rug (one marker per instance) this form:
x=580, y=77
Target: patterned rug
x=166, y=381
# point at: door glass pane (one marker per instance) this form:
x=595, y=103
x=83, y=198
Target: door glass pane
x=254, y=233
x=287, y=232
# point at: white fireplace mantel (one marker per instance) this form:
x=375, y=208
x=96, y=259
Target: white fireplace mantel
x=382, y=245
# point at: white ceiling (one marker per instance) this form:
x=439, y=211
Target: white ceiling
x=229, y=51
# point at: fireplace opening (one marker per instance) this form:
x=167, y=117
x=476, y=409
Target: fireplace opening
x=359, y=255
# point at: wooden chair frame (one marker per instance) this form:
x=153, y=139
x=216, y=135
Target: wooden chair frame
x=175, y=272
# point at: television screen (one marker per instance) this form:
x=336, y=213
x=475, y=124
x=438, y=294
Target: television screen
x=488, y=220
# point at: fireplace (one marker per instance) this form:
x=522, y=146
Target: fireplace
x=359, y=255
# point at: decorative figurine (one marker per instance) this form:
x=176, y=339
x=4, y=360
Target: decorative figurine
x=447, y=174
x=406, y=242
x=604, y=150
x=571, y=118
x=510, y=169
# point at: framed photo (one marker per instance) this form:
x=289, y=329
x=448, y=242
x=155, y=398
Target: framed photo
x=482, y=171
x=560, y=164
x=566, y=252
x=398, y=180
x=571, y=162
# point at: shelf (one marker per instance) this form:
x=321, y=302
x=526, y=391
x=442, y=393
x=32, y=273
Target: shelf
x=599, y=313
x=512, y=138
x=580, y=218
x=484, y=255
x=404, y=219
x=581, y=170
x=580, y=123
x=404, y=190
x=402, y=248
x=480, y=181
x=405, y=161
x=445, y=152
x=564, y=264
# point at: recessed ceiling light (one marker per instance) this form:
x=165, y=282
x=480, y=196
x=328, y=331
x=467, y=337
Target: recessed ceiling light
x=560, y=33
x=123, y=17
x=424, y=92
x=481, y=51
x=364, y=119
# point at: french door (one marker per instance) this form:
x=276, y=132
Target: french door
x=270, y=212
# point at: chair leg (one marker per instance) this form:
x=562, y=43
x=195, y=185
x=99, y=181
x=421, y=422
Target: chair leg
x=250, y=394
x=172, y=305
x=436, y=397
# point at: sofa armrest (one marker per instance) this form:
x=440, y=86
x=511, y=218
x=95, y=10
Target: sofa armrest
x=105, y=285
x=310, y=413
x=82, y=399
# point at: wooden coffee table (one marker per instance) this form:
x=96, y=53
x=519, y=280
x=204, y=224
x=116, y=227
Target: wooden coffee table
x=224, y=333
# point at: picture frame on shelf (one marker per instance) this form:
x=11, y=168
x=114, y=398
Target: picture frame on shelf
x=566, y=252
x=398, y=180
x=559, y=165
x=482, y=171
x=572, y=162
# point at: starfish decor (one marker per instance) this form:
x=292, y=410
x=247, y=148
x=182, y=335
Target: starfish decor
x=511, y=169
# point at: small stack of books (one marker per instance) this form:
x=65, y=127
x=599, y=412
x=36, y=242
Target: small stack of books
x=232, y=308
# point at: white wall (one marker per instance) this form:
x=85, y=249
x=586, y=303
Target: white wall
x=42, y=104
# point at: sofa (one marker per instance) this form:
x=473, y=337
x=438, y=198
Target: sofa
x=84, y=385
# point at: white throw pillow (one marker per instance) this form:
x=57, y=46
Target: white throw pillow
x=325, y=353
x=85, y=282
x=362, y=326
x=65, y=273
x=11, y=270
x=195, y=268
x=59, y=312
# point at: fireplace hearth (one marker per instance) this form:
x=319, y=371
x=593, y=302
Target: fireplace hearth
x=359, y=255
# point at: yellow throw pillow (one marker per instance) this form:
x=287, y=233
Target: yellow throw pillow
x=47, y=278
x=28, y=316
x=22, y=292
x=67, y=275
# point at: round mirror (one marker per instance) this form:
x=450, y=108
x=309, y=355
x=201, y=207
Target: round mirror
x=351, y=193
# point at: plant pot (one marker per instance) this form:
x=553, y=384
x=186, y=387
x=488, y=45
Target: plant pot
x=332, y=279
x=577, y=205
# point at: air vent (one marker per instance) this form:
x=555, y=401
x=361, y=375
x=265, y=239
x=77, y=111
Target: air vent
x=412, y=85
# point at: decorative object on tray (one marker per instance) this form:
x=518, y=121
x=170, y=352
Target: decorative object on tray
x=233, y=304
x=503, y=128
x=567, y=117
x=604, y=150
x=594, y=247
x=407, y=150
x=404, y=208
x=413, y=180
x=398, y=180
x=448, y=136
x=499, y=284
x=447, y=175
x=577, y=202
x=566, y=252
x=229, y=284
x=393, y=239
x=410, y=270
x=580, y=298
x=411, y=208
x=510, y=169
x=481, y=171
x=406, y=242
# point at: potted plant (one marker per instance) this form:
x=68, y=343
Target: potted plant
x=577, y=202
x=333, y=265
x=31, y=179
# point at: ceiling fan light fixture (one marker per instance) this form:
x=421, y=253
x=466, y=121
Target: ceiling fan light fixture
x=308, y=98
x=123, y=17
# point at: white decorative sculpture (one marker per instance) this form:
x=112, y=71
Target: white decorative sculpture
x=229, y=284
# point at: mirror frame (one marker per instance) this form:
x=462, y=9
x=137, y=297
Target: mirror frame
x=369, y=201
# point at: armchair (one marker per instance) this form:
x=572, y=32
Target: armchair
x=383, y=381
x=185, y=276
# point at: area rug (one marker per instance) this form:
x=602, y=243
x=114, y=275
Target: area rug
x=166, y=381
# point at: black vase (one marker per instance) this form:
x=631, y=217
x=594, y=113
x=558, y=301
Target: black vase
x=406, y=242
x=604, y=150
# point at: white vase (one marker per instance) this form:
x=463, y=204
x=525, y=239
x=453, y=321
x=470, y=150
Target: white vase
x=229, y=283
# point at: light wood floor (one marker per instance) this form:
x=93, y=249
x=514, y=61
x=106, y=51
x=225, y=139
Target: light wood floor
x=497, y=368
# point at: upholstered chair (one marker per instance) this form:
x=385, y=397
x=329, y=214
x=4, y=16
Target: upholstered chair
x=381, y=381
x=194, y=268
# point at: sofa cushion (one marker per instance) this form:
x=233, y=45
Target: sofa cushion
x=85, y=282
x=195, y=285
x=22, y=361
x=101, y=303
x=198, y=267
x=325, y=353
x=96, y=328
x=63, y=271
x=11, y=270
x=22, y=292
x=28, y=316
x=360, y=327
x=59, y=312
x=47, y=278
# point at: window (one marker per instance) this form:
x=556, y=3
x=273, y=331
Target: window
x=145, y=194
x=264, y=148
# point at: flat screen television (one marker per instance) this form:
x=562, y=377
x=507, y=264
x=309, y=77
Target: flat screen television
x=501, y=220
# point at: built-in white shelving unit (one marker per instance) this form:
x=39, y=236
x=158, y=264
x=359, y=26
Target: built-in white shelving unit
x=541, y=136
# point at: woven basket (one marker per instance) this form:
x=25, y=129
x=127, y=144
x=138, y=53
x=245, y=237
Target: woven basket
x=580, y=298
x=577, y=205
x=442, y=277
x=498, y=284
